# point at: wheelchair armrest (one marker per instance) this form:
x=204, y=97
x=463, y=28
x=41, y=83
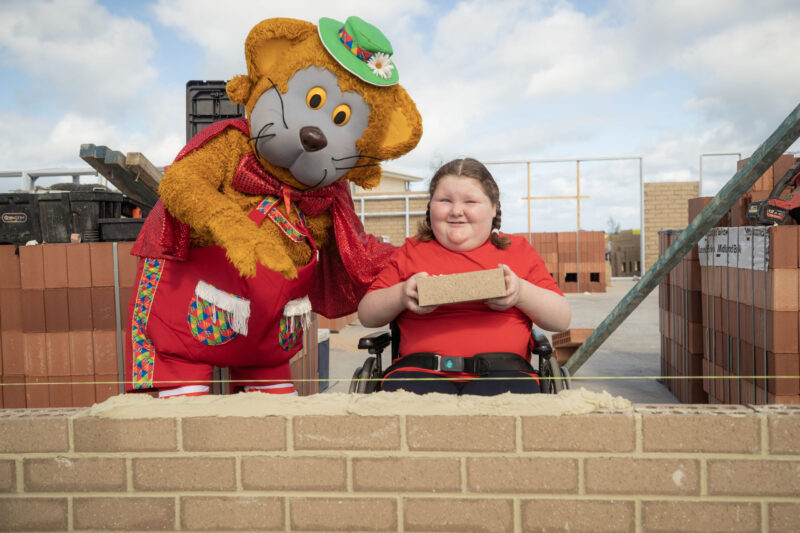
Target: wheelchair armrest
x=375, y=342
x=541, y=346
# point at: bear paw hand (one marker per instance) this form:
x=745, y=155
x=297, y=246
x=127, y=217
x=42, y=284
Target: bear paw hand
x=275, y=260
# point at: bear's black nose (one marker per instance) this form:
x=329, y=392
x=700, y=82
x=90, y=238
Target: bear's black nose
x=313, y=139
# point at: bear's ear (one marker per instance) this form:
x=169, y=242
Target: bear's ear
x=271, y=40
x=403, y=126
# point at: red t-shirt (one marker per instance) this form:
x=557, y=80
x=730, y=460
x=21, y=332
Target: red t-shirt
x=465, y=329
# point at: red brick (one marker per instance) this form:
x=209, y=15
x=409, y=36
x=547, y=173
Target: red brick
x=783, y=364
x=56, y=310
x=79, y=266
x=80, y=309
x=104, y=346
x=81, y=353
x=578, y=516
x=60, y=391
x=106, y=386
x=103, y=308
x=33, y=318
x=783, y=246
x=57, y=354
x=13, y=353
x=35, y=353
x=54, y=257
x=10, y=309
x=34, y=514
x=122, y=513
x=692, y=516
x=37, y=394
x=13, y=392
x=9, y=265
x=102, y=260
x=82, y=388
x=457, y=515
x=31, y=267
x=128, y=264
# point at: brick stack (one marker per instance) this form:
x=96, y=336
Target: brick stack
x=681, y=325
x=546, y=244
x=59, y=327
x=566, y=343
x=576, y=260
x=751, y=298
x=59, y=332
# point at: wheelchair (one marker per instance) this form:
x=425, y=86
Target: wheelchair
x=368, y=377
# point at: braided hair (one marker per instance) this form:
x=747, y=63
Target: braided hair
x=467, y=168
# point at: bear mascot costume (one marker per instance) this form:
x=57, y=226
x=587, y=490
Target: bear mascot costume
x=255, y=225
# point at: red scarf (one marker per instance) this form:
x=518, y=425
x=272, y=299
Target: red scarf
x=340, y=280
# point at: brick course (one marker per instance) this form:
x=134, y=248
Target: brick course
x=646, y=468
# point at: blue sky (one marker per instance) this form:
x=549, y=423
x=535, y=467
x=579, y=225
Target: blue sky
x=496, y=80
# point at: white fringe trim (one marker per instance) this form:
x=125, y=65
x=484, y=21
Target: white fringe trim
x=238, y=307
x=298, y=309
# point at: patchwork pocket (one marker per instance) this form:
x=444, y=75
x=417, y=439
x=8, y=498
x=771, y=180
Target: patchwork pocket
x=296, y=314
x=216, y=317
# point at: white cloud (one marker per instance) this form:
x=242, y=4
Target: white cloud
x=76, y=54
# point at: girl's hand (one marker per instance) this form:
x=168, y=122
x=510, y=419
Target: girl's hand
x=513, y=289
x=411, y=296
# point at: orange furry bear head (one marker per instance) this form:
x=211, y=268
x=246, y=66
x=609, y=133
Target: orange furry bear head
x=287, y=81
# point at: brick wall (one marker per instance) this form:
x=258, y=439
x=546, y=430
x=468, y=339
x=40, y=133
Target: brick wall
x=665, y=207
x=377, y=206
x=647, y=468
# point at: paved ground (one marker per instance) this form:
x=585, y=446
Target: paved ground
x=631, y=351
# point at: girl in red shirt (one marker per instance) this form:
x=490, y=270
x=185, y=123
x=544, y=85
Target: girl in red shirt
x=461, y=234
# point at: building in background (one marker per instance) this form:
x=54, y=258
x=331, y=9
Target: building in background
x=666, y=206
x=391, y=210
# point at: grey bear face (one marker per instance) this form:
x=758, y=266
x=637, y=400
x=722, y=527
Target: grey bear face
x=312, y=129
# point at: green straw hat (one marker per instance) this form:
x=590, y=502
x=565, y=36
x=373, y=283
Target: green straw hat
x=361, y=48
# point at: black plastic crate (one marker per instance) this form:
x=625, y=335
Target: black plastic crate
x=120, y=229
x=34, y=217
x=87, y=208
x=206, y=103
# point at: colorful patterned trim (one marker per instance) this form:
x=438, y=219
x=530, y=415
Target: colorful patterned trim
x=210, y=324
x=144, y=352
x=352, y=45
x=268, y=209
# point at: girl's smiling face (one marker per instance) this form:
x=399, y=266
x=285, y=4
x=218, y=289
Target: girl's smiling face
x=461, y=213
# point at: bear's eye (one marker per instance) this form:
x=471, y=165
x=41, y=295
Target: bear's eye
x=316, y=97
x=341, y=114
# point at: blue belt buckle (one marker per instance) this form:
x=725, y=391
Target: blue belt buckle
x=451, y=364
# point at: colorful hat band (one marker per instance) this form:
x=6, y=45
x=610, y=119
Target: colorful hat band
x=352, y=45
